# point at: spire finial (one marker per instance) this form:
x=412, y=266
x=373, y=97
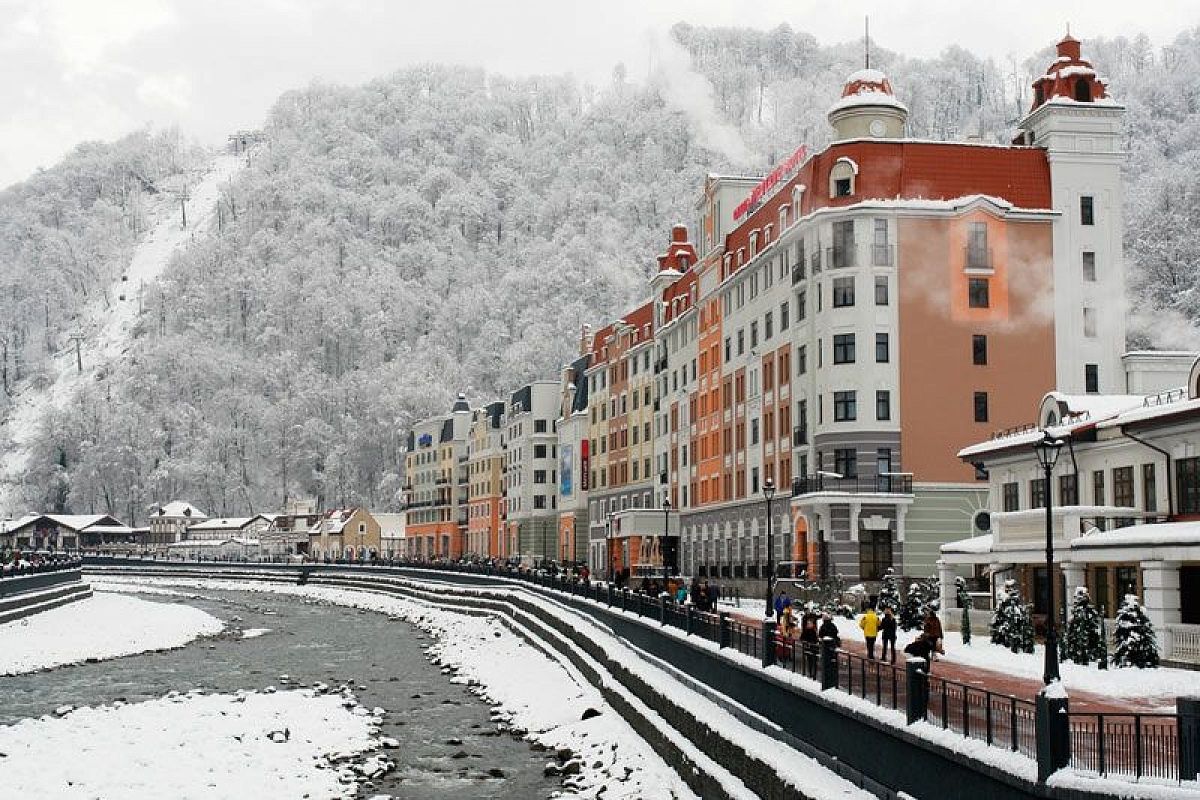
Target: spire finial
x=867, y=39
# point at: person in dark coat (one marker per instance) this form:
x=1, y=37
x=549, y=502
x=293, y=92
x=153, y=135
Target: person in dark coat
x=887, y=632
x=932, y=631
x=694, y=594
x=921, y=647
x=714, y=593
x=829, y=630
x=809, y=642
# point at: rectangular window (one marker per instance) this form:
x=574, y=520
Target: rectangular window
x=841, y=187
x=845, y=406
x=881, y=348
x=1068, y=490
x=1089, y=266
x=754, y=431
x=981, y=407
x=843, y=348
x=801, y=422
x=539, y=451
x=539, y=501
x=1187, y=482
x=1087, y=210
x=1089, y=323
x=842, y=253
x=1149, y=488
x=883, y=404
x=1012, y=496
x=1037, y=493
x=845, y=462
x=801, y=306
x=1091, y=378
x=881, y=290
x=785, y=320
x=843, y=292
x=539, y=476
x=874, y=554
x=1098, y=487
x=881, y=252
x=1123, y=487
x=741, y=339
x=802, y=359
x=978, y=256
x=768, y=326
x=979, y=350
x=977, y=293
x=753, y=335
x=728, y=348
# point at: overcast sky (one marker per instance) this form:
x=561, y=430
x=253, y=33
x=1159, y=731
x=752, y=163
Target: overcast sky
x=72, y=70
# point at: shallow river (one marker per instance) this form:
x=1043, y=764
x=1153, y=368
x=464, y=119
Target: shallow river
x=448, y=743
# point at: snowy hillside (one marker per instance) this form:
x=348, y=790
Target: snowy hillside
x=105, y=328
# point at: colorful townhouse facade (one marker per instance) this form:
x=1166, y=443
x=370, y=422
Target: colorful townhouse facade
x=836, y=333
x=436, y=484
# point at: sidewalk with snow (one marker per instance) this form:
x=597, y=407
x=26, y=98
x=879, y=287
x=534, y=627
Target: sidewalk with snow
x=102, y=626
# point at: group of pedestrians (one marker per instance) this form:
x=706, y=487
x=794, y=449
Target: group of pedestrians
x=873, y=627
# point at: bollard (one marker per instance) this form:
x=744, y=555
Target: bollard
x=723, y=629
x=1053, y=730
x=624, y=599
x=916, y=678
x=691, y=620
x=610, y=595
x=829, y=670
x=1187, y=720
x=768, y=642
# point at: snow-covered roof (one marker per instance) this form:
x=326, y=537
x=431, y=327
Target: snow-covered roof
x=75, y=522
x=1150, y=412
x=224, y=523
x=1162, y=533
x=120, y=530
x=975, y=544
x=867, y=98
x=178, y=508
x=866, y=76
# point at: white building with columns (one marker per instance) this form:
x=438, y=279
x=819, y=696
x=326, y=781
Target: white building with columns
x=1125, y=509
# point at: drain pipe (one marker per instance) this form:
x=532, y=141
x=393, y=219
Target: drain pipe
x=1170, y=491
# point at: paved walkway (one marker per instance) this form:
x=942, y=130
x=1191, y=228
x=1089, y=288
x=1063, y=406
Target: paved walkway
x=1002, y=683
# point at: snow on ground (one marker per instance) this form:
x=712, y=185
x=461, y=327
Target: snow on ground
x=102, y=626
x=543, y=694
x=1164, y=683
x=282, y=745
x=254, y=633
x=108, y=323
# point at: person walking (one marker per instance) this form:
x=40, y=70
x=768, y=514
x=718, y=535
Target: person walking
x=829, y=630
x=887, y=627
x=782, y=601
x=869, y=622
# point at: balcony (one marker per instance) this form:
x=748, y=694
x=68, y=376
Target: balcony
x=886, y=483
x=798, y=273
x=977, y=257
x=815, y=260
x=441, y=481
x=840, y=256
x=883, y=255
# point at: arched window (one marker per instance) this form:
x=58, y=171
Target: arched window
x=1083, y=91
x=842, y=178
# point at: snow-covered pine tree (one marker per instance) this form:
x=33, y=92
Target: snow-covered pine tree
x=931, y=595
x=965, y=603
x=911, y=615
x=889, y=593
x=1083, y=631
x=1012, y=623
x=1136, y=645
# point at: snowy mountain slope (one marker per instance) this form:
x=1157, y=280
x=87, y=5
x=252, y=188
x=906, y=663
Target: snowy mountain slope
x=108, y=323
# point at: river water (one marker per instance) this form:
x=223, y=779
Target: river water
x=448, y=743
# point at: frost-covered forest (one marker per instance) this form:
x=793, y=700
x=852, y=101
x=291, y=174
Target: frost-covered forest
x=443, y=229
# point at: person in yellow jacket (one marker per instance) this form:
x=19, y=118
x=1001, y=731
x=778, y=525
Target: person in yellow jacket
x=869, y=622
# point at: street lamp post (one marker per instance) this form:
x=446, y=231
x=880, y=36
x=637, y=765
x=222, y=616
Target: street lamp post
x=666, y=506
x=768, y=491
x=608, y=556
x=1047, y=449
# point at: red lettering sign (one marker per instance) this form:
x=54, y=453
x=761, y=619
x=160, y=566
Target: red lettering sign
x=584, y=463
x=768, y=184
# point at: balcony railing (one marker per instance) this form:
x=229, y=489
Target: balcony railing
x=840, y=256
x=886, y=483
x=883, y=255
x=441, y=481
x=978, y=257
x=815, y=260
x=798, y=273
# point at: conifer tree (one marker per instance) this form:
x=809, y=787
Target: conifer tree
x=965, y=603
x=1082, y=640
x=911, y=615
x=889, y=593
x=1136, y=645
x=1012, y=622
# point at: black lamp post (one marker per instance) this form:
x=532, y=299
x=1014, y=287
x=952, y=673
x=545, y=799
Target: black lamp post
x=666, y=506
x=1047, y=449
x=608, y=556
x=768, y=491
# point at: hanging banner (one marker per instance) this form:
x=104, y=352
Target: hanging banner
x=768, y=184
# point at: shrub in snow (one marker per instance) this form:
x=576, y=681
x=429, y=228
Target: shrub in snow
x=889, y=593
x=1082, y=641
x=964, y=603
x=931, y=595
x=1136, y=645
x=912, y=613
x=1012, y=622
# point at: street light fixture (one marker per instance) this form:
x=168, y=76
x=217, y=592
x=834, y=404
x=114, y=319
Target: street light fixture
x=768, y=490
x=666, y=507
x=1047, y=449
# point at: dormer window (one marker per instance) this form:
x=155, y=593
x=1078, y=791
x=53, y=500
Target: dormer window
x=842, y=177
x=1083, y=91
x=683, y=263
